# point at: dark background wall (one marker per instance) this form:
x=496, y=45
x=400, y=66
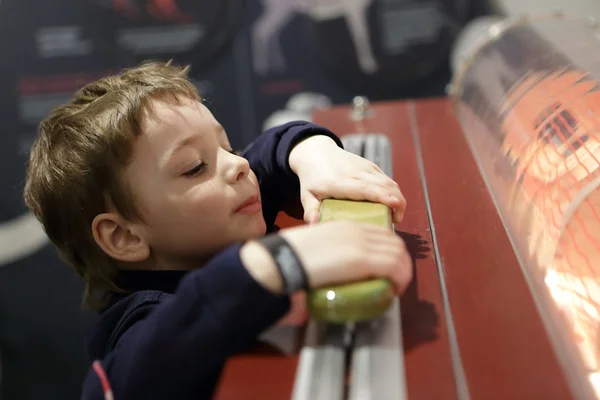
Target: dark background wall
x=248, y=57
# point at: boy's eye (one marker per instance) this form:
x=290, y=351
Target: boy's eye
x=197, y=170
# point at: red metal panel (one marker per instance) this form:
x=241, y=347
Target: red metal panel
x=504, y=347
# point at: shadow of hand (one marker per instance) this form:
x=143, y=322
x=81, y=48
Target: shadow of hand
x=420, y=318
x=416, y=245
x=420, y=321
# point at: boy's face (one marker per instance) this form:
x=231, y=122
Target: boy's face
x=195, y=196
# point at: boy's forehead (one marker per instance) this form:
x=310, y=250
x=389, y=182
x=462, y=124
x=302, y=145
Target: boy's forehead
x=168, y=126
x=172, y=114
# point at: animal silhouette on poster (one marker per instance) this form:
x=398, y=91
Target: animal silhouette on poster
x=266, y=31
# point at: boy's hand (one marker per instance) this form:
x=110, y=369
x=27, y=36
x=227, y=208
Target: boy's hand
x=336, y=253
x=327, y=171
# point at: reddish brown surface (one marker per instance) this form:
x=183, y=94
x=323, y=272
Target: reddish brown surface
x=258, y=376
x=504, y=347
x=425, y=338
x=427, y=356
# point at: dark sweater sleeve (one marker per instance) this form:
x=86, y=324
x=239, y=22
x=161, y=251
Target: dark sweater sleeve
x=177, y=349
x=269, y=155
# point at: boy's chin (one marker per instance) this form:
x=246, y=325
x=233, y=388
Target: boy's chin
x=254, y=231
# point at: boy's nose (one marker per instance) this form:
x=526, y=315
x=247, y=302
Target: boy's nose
x=237, y=168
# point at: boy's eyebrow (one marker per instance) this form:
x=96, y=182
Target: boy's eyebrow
x=178, y=146
x=188, y=140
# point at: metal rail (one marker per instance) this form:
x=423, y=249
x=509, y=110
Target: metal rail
x=376, y=363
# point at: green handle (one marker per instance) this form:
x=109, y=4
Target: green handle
x=359, y=301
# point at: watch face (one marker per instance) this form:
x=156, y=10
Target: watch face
x=188, y=31
x=380, y=45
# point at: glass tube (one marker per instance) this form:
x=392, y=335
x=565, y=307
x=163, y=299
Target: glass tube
x=527, y=95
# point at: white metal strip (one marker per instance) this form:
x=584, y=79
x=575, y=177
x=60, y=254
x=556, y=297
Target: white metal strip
x=377, y=364
x=321, y=369
x=353, y=143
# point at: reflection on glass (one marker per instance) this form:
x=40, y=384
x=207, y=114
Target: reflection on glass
x=528, y=101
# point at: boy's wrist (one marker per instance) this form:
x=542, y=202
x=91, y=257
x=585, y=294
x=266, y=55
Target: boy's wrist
x=260, y=265
x=301, y=152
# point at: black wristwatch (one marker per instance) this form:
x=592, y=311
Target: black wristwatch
x=293, y=273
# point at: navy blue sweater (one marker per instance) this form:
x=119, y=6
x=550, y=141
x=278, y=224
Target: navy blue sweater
x=170, y=337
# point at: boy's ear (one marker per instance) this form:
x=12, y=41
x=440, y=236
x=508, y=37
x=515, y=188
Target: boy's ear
x=115, y=237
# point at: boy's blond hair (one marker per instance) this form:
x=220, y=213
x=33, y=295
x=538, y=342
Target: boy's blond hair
x=76, y=163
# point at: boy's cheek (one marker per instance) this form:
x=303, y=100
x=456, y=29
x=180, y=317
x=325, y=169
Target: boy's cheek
x=253, y=178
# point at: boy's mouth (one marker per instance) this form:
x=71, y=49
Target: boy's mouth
x=250, y=206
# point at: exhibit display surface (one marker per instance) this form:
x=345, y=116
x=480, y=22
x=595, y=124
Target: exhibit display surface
x=503, y=223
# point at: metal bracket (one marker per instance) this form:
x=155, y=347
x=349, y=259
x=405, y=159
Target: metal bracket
x=361, y=109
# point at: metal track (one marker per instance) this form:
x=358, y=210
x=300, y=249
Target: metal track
x=321, y=369
x=376, y=364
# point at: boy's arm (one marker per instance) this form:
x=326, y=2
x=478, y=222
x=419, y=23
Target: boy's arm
x=268, y=156
x=177, y=348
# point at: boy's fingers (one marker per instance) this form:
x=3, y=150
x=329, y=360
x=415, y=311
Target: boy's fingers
x=312, y=206
x=385, y=182
x=398, y=215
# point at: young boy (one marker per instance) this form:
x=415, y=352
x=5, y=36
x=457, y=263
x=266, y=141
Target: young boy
x=136, y=184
